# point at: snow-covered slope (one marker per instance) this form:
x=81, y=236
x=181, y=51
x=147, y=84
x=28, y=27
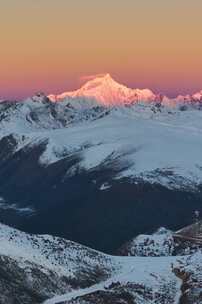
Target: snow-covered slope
x=64, y=257
x=142, y=280
x=160, y=146
x=190, y=272
x=195, y=98
x=43, y=266
x=161, y=243
x=43, y=259
x=83, y=275
x=38, y=113
x=165, y=242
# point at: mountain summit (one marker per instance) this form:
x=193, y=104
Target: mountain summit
x=108, y=92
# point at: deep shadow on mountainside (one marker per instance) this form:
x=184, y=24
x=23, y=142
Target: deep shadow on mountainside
x=71, y=205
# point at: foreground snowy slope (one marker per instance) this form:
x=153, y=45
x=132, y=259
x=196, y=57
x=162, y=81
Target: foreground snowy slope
x=186, y=288
x=144, y=279
x=42, y=268
x=59, y=255
x=76, y=266
x=33, y=268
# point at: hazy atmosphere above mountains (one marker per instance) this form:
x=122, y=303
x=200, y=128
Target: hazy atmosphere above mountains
x=49, y=45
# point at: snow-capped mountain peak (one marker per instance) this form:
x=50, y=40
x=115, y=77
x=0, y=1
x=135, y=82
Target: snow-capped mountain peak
x=196, y=97
x=107, y=92
x=104, y=79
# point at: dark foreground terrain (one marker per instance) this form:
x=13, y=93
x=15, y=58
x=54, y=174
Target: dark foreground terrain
x=75, y=207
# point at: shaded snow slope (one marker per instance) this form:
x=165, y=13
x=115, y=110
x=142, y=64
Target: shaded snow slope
x=162, y=147
x=64, y=257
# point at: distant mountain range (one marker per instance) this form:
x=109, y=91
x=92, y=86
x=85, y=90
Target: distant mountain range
x=106, y=91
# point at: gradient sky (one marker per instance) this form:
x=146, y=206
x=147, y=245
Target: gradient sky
x=47, y=45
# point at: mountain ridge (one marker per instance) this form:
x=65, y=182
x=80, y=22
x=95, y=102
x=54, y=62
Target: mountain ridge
x=108, y=92
x=103, y=90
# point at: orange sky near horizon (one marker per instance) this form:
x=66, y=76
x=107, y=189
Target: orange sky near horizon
x=48, y=45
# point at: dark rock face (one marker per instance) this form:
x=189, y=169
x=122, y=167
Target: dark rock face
x=72, y=205
x=129, y=293
x=106, y=297
x=28, y=284
x=190, y=274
